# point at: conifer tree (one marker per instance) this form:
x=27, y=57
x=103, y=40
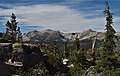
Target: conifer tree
x=11, y=29
x=108, y=43
x=77, y=59
x=108, y=60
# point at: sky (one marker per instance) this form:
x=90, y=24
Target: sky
x=62, y=15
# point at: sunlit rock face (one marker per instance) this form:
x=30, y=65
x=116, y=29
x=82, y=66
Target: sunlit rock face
x=44, y=36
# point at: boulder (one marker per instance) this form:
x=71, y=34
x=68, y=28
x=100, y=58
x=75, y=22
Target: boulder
x=91, y=72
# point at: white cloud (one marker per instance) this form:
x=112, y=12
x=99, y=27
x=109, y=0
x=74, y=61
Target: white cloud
x=55, y=17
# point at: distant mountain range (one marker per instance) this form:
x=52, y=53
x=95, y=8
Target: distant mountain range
x=86, y=37
x=52, y=35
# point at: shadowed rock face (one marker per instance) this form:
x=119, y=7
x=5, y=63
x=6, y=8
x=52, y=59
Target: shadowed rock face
x=6, y=70
x=19, y=50
x=28, y=55
x=31, y=56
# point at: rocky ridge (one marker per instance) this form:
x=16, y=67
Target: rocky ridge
x=47, y=36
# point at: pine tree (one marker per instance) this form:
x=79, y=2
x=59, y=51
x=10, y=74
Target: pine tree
x=108, y=43
x=12, y=32
x=77, y=59
x=107, y=59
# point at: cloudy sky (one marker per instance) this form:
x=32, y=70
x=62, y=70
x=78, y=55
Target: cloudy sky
x=63, y=15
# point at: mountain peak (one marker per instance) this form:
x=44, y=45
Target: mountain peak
x=48, y=30
x=89, y=30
